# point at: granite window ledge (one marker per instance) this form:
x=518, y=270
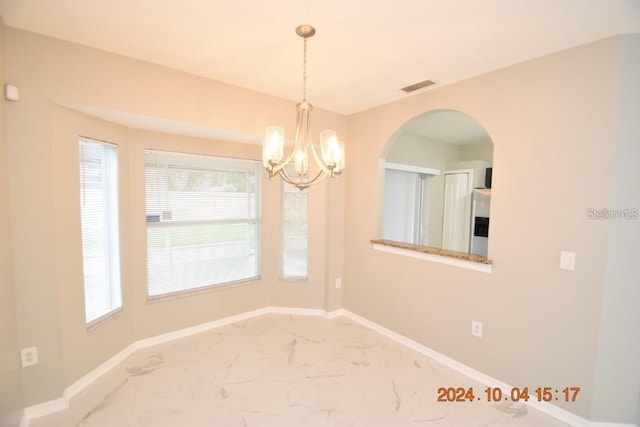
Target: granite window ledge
x=442, y=256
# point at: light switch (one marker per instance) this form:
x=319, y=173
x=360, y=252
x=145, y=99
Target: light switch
x=11, y=93
x=567, y=260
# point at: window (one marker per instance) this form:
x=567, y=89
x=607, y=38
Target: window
x=293, y=264
x=202, y=216
x=100, y=228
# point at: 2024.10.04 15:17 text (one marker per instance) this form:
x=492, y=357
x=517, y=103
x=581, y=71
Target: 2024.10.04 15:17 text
x=515, y=394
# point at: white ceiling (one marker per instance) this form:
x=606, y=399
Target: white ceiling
x=364, y=50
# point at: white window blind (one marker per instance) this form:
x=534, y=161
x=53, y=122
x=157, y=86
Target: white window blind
x=203, y=221
x=295, y=218
x=402, y=206
x=99, y=217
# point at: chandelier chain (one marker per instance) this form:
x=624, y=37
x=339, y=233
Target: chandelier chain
x=304, y=72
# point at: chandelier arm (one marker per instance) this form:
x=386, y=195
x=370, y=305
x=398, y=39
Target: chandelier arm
x=316, y=179
x=301, y=184
x=285, y=175
x=280, y=166
x=299, y=137
x=323, y=167
x=277, y=169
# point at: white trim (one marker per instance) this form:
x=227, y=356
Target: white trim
x=411, y=168
x=94, y=375
x=451, y=363
x=454, y=171
x=181, y=333
x=43, y=409
x=298, y=311
x=317, y=312
x=61, y=404
x=551, y=410
x=336, y=313
x=441, y=259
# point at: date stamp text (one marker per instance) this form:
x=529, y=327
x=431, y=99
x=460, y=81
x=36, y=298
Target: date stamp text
x=515, y=394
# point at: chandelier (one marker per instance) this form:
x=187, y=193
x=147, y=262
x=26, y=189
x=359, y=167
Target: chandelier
x=294, y=169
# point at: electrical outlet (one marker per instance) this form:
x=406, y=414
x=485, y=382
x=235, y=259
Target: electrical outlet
x=476, y=329
x=338, y=283
x=29, y=356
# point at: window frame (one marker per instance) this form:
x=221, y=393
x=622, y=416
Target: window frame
x=113, y=238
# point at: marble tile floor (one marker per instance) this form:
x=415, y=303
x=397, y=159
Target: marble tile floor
x=288, y=371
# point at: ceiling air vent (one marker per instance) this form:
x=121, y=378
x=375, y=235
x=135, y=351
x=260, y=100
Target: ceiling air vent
x=418, y=85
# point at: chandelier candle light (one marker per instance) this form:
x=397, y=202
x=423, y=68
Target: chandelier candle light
x=331, y=161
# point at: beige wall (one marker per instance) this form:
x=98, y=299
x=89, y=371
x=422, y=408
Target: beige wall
x=553, y=131
x=64, y=88
x=481, y=151
x=411, y=149
x=10, y=384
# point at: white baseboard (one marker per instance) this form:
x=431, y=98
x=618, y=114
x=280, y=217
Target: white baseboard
x=544, y=407
x=551, y=410
x=43, y=409
x=298, y=311
x=94, y=375
x=181, y=333
x=61, y=404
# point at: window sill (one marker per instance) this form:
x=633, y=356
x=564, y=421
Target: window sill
x=103, y=319
x=442, y=256
x=202, y=290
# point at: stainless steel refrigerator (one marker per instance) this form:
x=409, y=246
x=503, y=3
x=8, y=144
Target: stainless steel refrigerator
x=480, y=214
